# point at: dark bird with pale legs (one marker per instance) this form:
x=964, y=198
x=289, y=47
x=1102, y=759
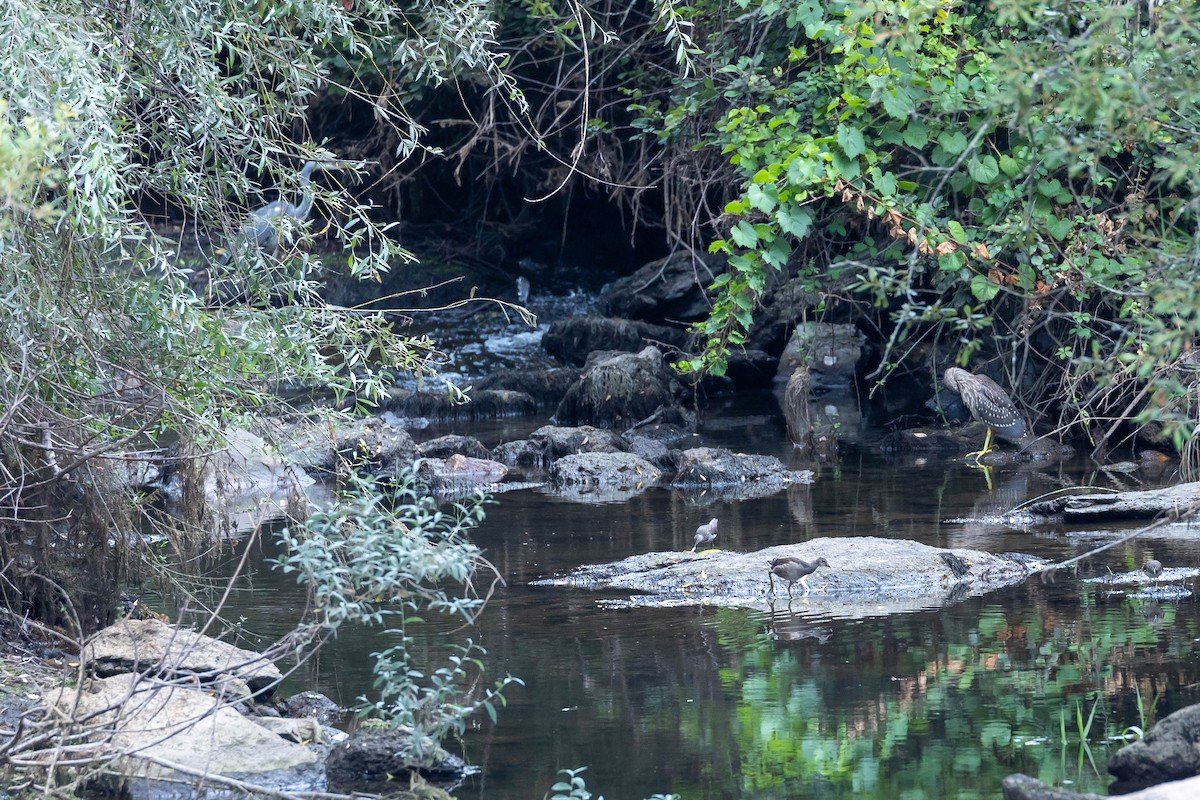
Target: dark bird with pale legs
x=1153, y=567
x=705, y=533
x=793, y=569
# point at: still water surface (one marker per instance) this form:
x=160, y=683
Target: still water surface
x=720, y=703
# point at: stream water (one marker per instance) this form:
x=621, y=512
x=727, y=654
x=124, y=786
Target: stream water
x=720, y=703
x=724, y=703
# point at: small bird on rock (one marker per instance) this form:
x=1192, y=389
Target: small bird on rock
x=1153, y=567
x=705, y=533
x=793, y=569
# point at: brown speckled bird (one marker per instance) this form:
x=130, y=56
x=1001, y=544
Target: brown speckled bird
x=793, y=569
x=989, y=404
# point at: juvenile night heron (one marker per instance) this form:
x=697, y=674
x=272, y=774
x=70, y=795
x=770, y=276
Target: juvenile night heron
x=1153, y=567
x=705, y=533
x=989, y=404
x=793, y=569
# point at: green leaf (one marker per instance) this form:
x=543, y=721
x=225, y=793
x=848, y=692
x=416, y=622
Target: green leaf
x=744, y=234
x=847, y=168
x=916, y=135
x=886, y=183
x=897, y=103
x=850, y=139
x=763, y=197
x=1011, y=167
x=952, y=261
x=956, y=230
x=984, y=170
x=793, y=220
x=953, y=142
x=1058, y=227
x=984, y=289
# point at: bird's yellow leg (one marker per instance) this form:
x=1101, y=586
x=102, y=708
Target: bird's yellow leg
x=987, y=447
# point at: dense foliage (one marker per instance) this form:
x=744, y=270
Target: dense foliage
x=1007, y=185
x=118, y=117
x=1018, y=178
x=122, y=329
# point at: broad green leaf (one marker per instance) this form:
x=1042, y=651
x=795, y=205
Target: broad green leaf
x=886, y=183
x=1058, y=227
x=793, y=220
x=984, y=289
x=984, y=170
x=850, y=139
x=916, y=135
x=953, y=142
x=744, y=234
x=956, y=230
x=897, y=103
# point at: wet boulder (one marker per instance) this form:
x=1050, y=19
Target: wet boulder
x=830, y=351
x=311, y=705
x=713, y=466
x=246, y=482
x=1023, y=787
x=1170, y=750
x=545, y=386
x=519, y=453
x=572, y=340
x=453, y=444
x=603, y=470
x=408, y=405
x=459, y=472
x=557, y=441
x=667, y=290
x=153, y=646
x=379, y=760
x=619, y=392
x=370, y=443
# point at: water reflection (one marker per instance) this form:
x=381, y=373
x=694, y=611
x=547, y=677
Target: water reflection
x=719, y=703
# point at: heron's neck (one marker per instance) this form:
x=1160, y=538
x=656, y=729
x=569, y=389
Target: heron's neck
x=306, y=200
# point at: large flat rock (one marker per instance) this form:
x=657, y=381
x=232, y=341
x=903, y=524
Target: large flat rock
x=1093, y=506
x=162, y=728
x=867, y=576
x=138, y=645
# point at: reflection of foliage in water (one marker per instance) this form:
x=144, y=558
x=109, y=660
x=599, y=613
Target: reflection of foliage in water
x=893, y=716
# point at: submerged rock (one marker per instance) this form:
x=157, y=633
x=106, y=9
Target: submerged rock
x=1023, y=787
x=557, y=441
x=369, y=443
x=545, y=386
x=572, y=340
x=459, y=472
x=868, y=576
x=829, y=351
x=453, y=444
x=669, y=289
